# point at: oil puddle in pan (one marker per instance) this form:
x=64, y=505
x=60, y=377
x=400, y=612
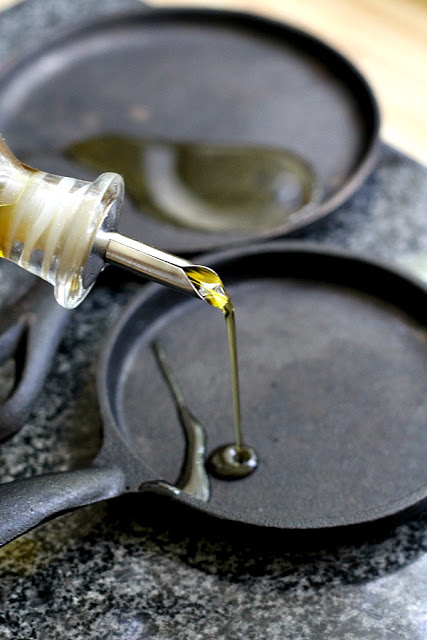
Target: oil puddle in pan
x=208, y=187
x=193, y=478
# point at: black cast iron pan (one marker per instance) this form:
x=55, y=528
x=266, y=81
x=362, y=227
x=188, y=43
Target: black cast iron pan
x=193, y=75
x=333, y=357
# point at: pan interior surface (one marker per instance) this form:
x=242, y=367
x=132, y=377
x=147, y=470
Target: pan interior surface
x=333, y=386
x=192, y=76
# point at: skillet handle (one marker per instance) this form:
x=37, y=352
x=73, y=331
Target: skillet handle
x=26, y=503
x=30, y=332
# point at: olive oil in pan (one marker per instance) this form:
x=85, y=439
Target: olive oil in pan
x=236, y=460
x=193, y=478
x=209, y=187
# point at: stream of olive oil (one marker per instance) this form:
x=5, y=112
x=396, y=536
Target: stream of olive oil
x=235, y=460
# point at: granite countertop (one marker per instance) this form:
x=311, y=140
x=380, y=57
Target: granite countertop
x=128, y=570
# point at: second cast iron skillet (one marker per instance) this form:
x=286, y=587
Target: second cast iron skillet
x=333, y=357
x=193, y=75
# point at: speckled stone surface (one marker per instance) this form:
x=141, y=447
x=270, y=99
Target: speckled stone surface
x=137, y=568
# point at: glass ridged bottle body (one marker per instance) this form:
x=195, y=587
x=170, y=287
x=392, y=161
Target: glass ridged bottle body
x=49, y=224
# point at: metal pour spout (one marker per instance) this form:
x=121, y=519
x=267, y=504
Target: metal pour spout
x=64, y=231
x=157, y=265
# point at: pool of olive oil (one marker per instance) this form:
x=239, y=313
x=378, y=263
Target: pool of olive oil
x=209, y=187
x=234, y=460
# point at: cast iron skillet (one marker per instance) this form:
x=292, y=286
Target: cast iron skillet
x=333, y=355
x=193, y=75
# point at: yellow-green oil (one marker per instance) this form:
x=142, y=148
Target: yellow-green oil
x=6, y=214
x=234, y=460
x=205, y=186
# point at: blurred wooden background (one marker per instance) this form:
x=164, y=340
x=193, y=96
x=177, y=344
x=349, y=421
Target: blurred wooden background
x=386, y=39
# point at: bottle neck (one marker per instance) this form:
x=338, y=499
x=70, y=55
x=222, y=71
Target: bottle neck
x=51, y=228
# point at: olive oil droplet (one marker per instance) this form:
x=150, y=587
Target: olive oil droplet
x=230, y=462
